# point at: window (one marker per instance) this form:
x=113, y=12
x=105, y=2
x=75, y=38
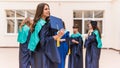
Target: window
x=10, y=26
x=82, y=17
x=15, y=17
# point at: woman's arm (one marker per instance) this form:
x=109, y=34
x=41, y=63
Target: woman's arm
x=90, y=39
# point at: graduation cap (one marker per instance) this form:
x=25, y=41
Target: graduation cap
x=56, y=23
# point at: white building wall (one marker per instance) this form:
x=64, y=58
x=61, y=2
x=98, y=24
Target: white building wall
x=64, y=10
x=116, y=23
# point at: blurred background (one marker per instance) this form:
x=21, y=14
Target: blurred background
x=79, y=12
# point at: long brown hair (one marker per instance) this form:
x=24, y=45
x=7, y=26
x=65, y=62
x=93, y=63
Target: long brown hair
x=26, y=21
x=96, y=28
x=38, y=14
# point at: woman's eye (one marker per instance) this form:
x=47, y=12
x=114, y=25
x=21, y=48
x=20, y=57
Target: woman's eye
x=47, y=9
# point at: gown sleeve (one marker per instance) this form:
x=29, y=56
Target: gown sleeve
x=67, y=37
x=90, y=39
x=79, y=46
x=48, y=43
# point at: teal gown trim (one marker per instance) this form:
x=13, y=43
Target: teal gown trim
x=98, y=38
x=34, y=39
x=76, y=35
x=23, y=33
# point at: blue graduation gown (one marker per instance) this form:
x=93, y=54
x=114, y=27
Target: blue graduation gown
x=46, y=54
x=92, y=52
x=63, y=50
x=76, y=56
x=24, y=54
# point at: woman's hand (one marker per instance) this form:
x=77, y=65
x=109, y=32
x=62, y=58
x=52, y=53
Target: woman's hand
x=90, y=32
x=74, y=41
x=86, y=36
x=55, y=37
x=61, y=33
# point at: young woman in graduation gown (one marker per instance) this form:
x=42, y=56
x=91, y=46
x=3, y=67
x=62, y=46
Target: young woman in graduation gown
x=63, y=48
x=23, y=38
x=76, y=49
x=93, y=46
x=43, y=40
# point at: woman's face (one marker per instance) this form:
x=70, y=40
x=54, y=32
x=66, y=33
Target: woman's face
x=75, y=30
x=90, y=26
x=46, y=11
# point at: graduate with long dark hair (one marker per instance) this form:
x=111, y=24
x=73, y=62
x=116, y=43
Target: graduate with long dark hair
x=23, y=39
x=63, y=48
x=76, y=49
x=93, y=46
x=43, y=39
